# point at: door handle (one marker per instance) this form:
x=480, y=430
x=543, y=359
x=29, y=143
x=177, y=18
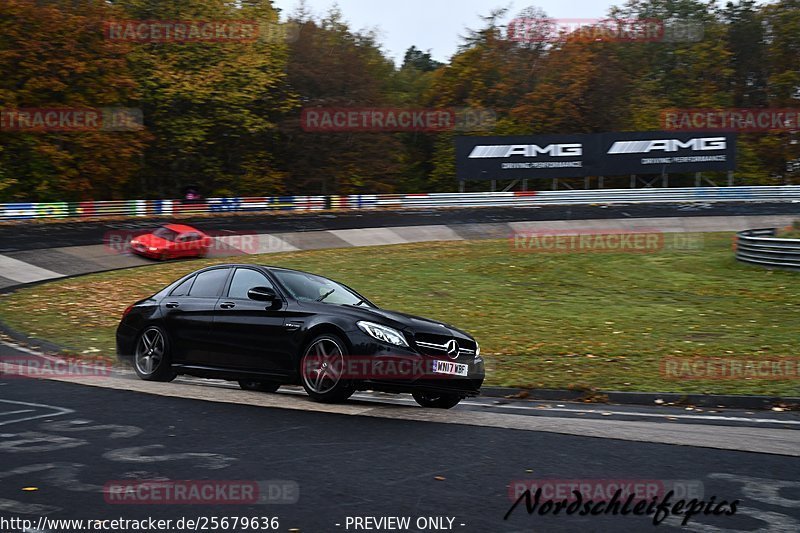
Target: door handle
x=172, y=305
x=227, y=305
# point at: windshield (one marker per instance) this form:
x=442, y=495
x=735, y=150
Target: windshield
x=311, y=288
x=166, y=234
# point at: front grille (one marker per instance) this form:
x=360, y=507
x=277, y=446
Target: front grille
x=443, y=346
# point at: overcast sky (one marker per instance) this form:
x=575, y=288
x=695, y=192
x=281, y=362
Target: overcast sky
x=437, y=24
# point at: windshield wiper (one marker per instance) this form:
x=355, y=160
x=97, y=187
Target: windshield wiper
x=326, y=295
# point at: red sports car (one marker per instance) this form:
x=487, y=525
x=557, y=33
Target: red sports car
x=172, y=241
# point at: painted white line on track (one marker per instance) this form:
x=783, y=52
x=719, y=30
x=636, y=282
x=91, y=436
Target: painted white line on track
x=593, y=411
x=639, y=413
x=49, y=358
x=56, y=411
x=23, y=349
x=16, y=412
x=534, y=408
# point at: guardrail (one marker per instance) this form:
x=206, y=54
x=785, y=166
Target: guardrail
x=137, y=208
x=761, y=247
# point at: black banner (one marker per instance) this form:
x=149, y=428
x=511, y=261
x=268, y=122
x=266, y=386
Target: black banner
x=520, y=157
x=605, y=154
x=663, y=152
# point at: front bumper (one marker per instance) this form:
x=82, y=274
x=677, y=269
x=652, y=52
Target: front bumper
x=144, y=252
x=377, y=366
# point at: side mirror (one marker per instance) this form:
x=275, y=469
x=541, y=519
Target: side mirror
x=262, y=294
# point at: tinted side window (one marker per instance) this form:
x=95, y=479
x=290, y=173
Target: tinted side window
x=245, y=279
x=183, y=288
x=209, y=284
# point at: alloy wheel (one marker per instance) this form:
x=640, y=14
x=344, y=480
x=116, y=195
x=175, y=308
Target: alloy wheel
x=150, y=351
x=323, y=366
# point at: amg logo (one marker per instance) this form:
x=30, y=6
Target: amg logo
x=526, y=150
x=668, y=145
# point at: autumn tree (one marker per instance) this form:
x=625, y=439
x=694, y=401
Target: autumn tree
x=332, y=66
x=55, y=56
x=212, y=106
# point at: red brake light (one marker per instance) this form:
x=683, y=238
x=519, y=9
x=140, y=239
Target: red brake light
x=127, y=310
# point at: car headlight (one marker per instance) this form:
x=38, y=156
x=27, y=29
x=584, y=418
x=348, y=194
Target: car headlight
x=382, y=333
x=477, y=349
x=153, y=249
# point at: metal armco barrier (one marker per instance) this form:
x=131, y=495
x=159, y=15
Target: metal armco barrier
x=139, y=208
x=761, y=247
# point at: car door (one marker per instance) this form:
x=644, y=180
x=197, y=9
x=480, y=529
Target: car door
x=192, y=244
x=252, y=332
x=189, y=317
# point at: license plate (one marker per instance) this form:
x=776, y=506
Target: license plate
x=453, y=369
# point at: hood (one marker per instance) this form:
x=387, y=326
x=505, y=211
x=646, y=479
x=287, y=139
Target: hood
x=148, y=239
x=415, y=324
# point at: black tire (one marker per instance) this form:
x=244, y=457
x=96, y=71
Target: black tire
x=151, y=359
x=437, y=401
x=322, y=358
x=259, y=386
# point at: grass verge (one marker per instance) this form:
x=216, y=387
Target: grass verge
x=555, y=320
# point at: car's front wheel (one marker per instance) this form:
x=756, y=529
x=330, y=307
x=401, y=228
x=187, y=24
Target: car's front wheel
x=322, y=370
x=259, y=386
x=438, y=401
x=152, y=361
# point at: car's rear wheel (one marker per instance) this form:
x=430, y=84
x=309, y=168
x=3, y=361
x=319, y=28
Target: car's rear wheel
x=322, y=370
x=259, y=386
x=152, y=361
x=437, y=401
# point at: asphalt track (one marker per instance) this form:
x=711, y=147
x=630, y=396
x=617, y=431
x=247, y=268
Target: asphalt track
x=63, y=445
x=25, y=236
x=377, y=456
x=346, y=465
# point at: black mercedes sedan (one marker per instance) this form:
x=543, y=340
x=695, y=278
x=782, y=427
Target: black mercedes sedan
x=266, y=327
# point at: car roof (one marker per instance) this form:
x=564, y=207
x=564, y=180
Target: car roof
x=265, y=267
x=181, y=228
